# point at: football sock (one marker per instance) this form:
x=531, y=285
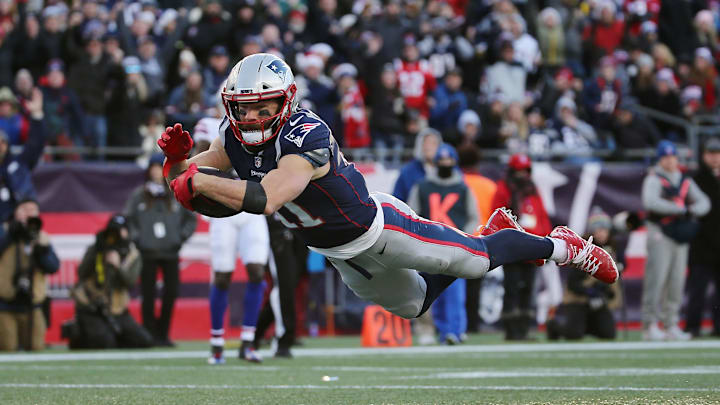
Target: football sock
x=511, y=246
x=560, y=253
x=435, y=285
x=218, y=305
x=251, y=308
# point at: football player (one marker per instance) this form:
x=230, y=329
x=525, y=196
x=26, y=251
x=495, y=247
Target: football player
x=289, y=163
x=243, y=235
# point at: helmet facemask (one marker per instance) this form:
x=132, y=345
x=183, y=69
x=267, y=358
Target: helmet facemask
x=264, y=129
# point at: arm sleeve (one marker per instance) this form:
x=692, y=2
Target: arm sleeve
x=700, y=205
x=46, y=259
x=472, y=213
x=36, y=142
x=131, y=267
x=652, y=200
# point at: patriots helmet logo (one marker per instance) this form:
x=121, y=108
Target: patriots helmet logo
x=279, y=67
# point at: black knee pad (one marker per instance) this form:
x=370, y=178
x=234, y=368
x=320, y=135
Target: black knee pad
x=255, y=272
x=222, y=280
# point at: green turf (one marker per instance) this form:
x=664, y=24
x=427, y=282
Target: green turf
x=664, y=376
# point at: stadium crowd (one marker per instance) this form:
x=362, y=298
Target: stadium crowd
x=561, y=75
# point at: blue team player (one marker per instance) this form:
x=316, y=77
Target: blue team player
x=290, y=164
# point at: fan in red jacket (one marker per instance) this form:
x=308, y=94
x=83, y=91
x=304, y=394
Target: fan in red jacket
x=415, y=78
x=356, y=129
x=518, y=192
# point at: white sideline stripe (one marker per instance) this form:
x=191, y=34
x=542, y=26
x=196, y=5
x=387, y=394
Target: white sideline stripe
x=350, y=352
x=355, y=387
x=565, y=372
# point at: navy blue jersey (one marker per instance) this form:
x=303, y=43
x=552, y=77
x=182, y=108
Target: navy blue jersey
x=332, y=210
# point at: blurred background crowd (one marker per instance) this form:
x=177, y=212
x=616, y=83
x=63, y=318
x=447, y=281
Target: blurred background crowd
x=545, y=78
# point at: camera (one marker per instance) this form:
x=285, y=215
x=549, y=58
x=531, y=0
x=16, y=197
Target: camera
x=27, y=232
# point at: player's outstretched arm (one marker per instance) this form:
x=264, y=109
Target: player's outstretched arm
x=279, y=186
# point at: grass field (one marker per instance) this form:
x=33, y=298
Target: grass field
x=482, y=371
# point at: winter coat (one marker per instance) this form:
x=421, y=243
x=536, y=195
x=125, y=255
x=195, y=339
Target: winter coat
x=704, y=249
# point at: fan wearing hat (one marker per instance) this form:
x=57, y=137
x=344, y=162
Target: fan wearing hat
x=65, y=116
x=416, y=81
x=517, y=192
x=704, y=75
x=356, y=128
x=673, y=202
x=704, y=252
x=444, y=197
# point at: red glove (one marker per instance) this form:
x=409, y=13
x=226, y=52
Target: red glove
x=176, y=145
x=183, y=188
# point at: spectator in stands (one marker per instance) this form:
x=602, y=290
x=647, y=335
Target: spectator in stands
x=560, y=86
x=665, y=98
x=450, y=102
x=386, y=115
x=642, y=82
x=633, y=130
x=188, y=102
x=26, y=258
x=152, y=66
x=31, y=54
x=691, y=100
x=159, y=226
x=426, y=145
x=706, y=30
x=604, y=34
x=506, y=76
x=356, y=129
x=212, y=28
x=672, y=201
x=527, y=50
x=469, y=130
x=551, y=38
x=317, y=88
x=15, y=178
x=24, y=86
x=703, y=74
x=12, y=122
x=63, y=113
x=444, y=197
x=675, y=24
x=515, y=128
x=588, y=304
x=88, y=78
x=416, y=80
x=704, y=254
x=246, y=24
x=108, y=270
x=603, y=94
x=128, y=93
x=217, y=70
x=518, y=192
x=577, y=137
x=8, y=39
x=492, y=117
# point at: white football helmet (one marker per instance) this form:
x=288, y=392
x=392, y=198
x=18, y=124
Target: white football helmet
x=257, y=77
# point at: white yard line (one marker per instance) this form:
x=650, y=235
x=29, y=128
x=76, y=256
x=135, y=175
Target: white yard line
x=564, y=372
x=352, y=352
x=331, y=386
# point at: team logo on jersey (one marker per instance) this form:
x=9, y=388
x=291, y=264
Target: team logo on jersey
x=304, y=130
x=278, y=67
x=258, y=161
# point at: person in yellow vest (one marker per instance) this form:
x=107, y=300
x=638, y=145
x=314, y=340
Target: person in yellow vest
x=108, y=269
x=26, y=258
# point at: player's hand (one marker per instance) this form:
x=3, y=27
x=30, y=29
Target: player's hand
x=175, y=143
x=183, y=188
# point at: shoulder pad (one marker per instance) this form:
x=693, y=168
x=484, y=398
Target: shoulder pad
x=317, y=157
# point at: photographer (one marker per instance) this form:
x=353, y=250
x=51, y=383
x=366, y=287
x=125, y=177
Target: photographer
x=25, y=258
x=109, y=268
x=588, y=303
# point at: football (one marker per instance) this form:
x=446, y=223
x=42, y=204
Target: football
x=207, y=206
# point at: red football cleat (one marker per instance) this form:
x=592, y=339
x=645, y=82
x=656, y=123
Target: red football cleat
x=583, y=255
x=502, y=218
